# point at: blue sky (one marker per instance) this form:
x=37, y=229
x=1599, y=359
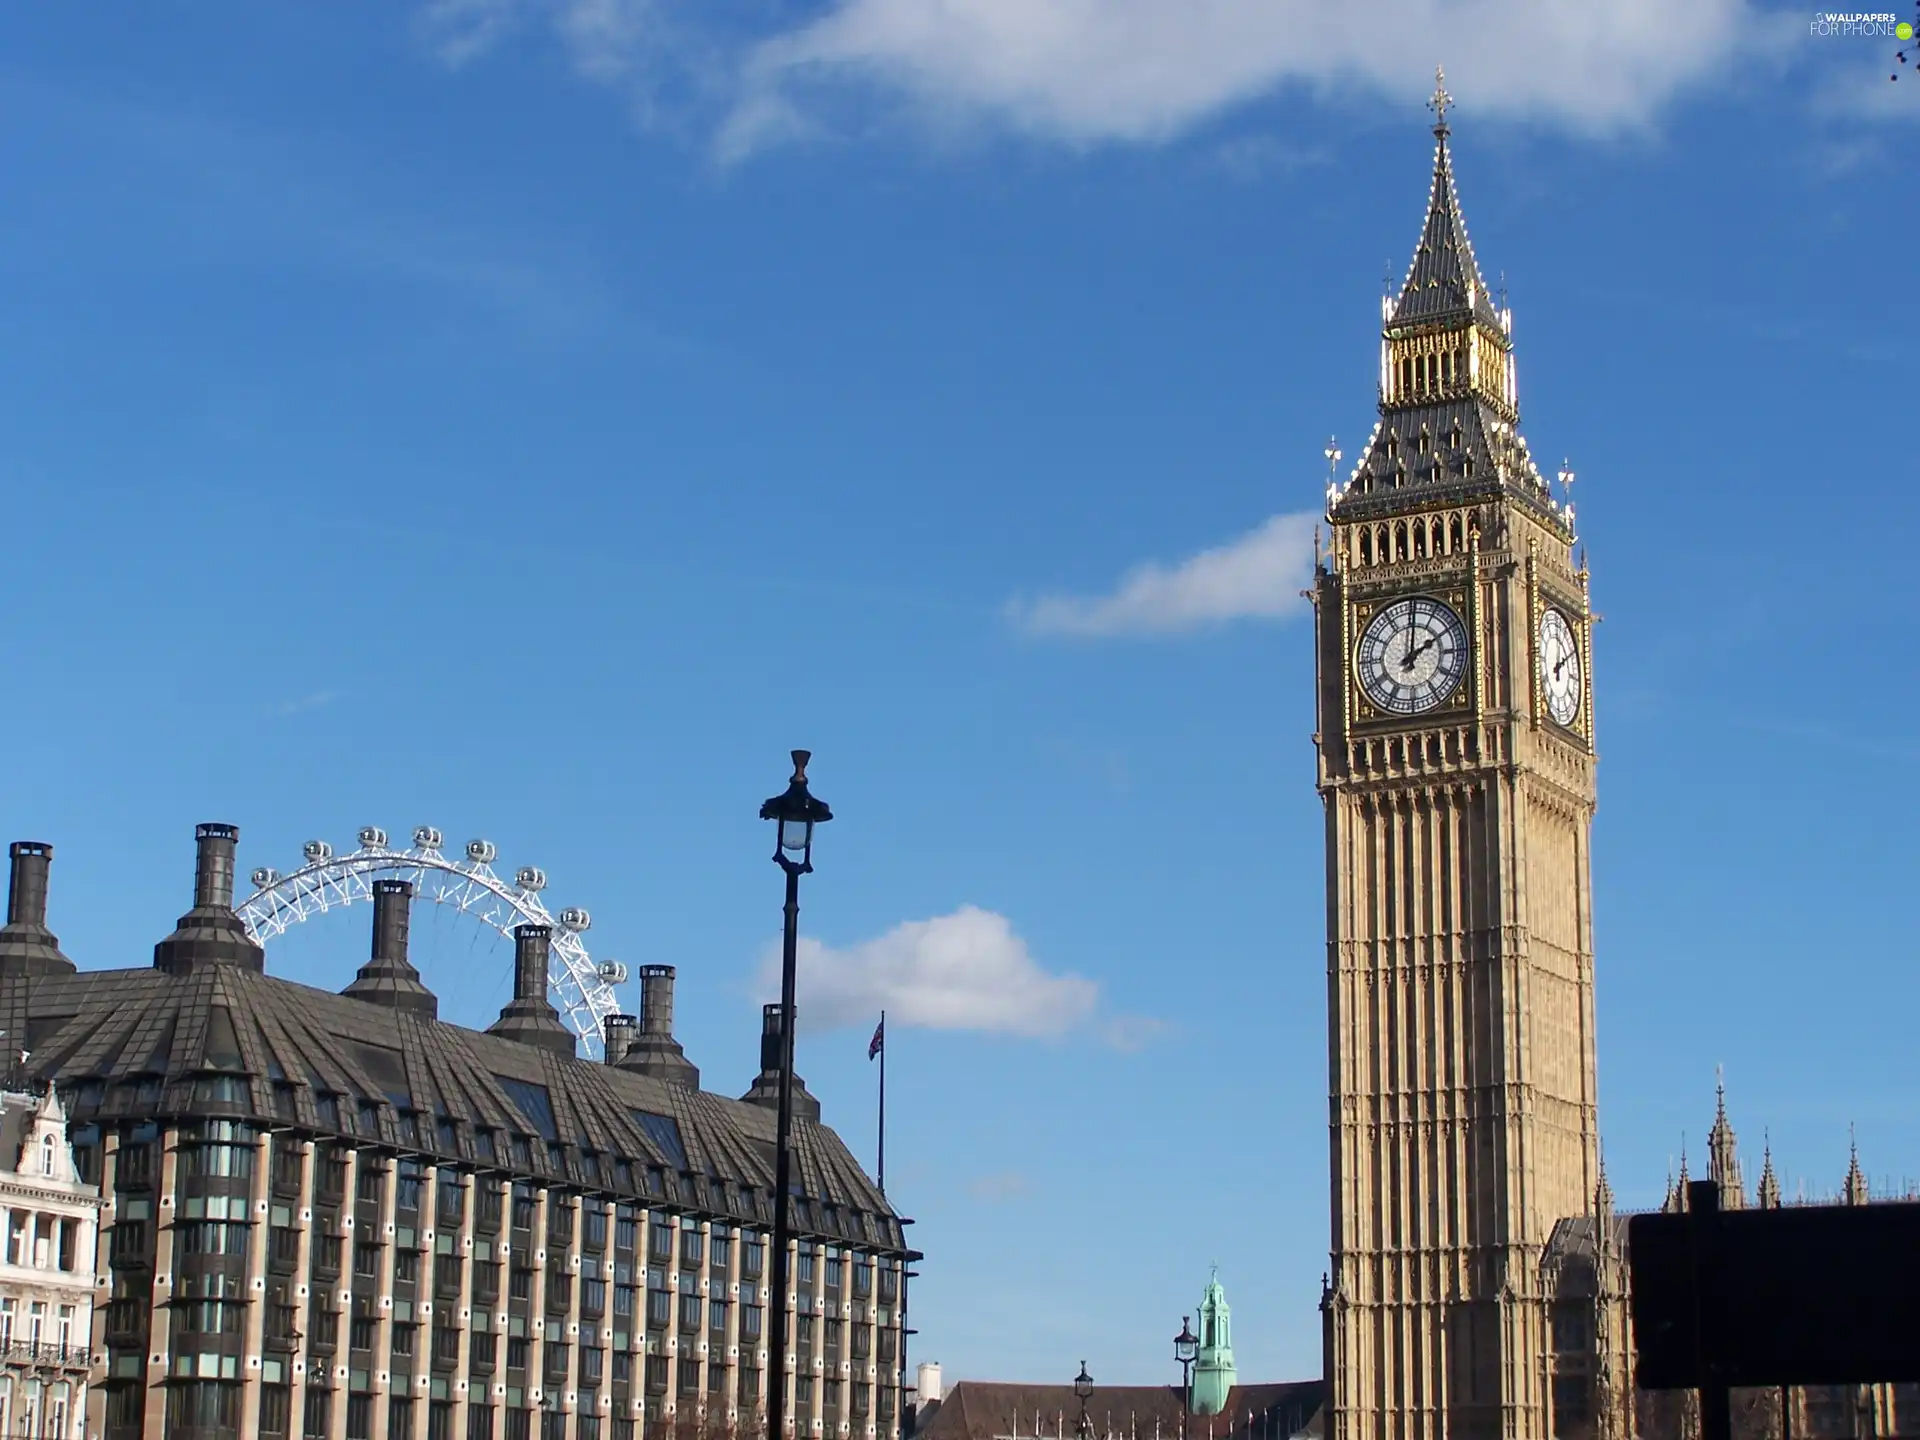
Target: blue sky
x=535, y=419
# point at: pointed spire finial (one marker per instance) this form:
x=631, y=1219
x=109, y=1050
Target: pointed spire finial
x=1769, y=1182
x=1332, y=452
x=1856, y=1190
x=1441, y=101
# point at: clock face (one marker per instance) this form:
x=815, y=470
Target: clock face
x=1412, y=656
x=1559, y=667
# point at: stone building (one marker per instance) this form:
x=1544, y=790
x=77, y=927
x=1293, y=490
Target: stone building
x=48, y=1223
x=1456, y=765
x=340, y=1218
x=1478, y=1283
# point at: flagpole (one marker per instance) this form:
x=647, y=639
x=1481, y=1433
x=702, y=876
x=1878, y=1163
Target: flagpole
x=883, y=1104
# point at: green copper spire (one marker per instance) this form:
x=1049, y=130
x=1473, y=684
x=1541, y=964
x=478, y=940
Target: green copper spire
x=1213, y=1377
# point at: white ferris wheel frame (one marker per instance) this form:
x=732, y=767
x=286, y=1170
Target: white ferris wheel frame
x=582, y=991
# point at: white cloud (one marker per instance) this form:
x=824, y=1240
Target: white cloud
x=1092, y=70
x=1085, y=71
x=1258, y=576
x=964, y=971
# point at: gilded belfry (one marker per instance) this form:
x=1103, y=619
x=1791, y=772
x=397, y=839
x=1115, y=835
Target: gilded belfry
x=1456, y=762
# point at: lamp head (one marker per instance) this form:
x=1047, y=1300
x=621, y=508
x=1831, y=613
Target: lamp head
x=795, y=813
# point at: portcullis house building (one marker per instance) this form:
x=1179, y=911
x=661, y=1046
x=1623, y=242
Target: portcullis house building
x=337, y=1217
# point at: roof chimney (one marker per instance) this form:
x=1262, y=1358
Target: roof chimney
x=530, y=1017
x=618, y=1032
x=210, y=933
x=654, y=1051
x=389, y=977
x=27, y=947
x=766, y=1086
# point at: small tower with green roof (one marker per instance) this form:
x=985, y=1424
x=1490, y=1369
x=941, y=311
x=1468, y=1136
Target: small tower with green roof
x=1213, y=1377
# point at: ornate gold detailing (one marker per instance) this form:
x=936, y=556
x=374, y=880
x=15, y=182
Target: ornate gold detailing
x=1533, y=628
x=1586, y=659
x=1419, y=367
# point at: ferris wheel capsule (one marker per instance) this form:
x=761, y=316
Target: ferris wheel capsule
x=575, y=919
x=614, y=972
x=264, y=877
x=318, y=852
x=372, y=837
x=482, y=852
x=427, y=838
x=530, y=878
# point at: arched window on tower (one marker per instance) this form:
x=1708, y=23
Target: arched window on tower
x=46, y=1155
x=1457, y=541
x=1419, y=539
x=1400, y=541
x=1366, y=547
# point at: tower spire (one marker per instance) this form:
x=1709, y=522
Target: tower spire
x=1449, y=406
x=1769, y=1182
x=1723, y=1160
x=1855, y=1192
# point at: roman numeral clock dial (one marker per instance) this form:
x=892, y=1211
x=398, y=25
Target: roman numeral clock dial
x=1559, y=667
x=1412, y=656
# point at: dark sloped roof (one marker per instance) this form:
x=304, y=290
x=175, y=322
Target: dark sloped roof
x=1470, y=453
x=130, y=1043
x=987, y=1410
x=1444, y=282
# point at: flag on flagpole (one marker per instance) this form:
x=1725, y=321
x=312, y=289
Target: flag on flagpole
x=879, y=1039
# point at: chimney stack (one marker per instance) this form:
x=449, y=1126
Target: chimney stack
x=653, y=1050
x=27, y=947
x=530, y=1017
x=765, y=1089
x=617, y=1031
x=388, y=978
x=210, y=933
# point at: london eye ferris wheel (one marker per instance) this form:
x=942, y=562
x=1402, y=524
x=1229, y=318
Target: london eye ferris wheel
x=582, y=991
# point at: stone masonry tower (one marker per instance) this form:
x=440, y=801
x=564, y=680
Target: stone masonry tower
x=1456, y=763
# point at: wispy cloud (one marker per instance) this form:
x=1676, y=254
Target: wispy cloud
x=1091, y=71
x=1250, y=158
x=965, y=971
x=1096, y=70
x=1004, y=1185
x=304, y=703
x=1258, y=576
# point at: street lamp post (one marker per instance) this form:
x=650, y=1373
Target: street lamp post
x=1186, y=1346
x=796, y=813
x=1083, y=1391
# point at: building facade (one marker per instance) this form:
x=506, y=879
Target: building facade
x=1456, y=765
x=336, y=1217
x=49, y=1220
x=1478, y=1284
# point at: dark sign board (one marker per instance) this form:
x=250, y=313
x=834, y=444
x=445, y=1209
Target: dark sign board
x=1812, y=1295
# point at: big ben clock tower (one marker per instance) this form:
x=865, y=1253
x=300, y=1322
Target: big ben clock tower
x=1456, y=763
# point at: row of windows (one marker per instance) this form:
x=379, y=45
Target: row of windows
x=214, y=1404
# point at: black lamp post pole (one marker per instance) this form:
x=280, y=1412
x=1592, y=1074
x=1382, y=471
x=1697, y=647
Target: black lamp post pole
x=795, y=812
x=777, y=1396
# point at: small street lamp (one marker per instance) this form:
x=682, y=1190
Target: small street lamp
x=796, y=812
x=1083, y=1391
x=1186, y=1347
